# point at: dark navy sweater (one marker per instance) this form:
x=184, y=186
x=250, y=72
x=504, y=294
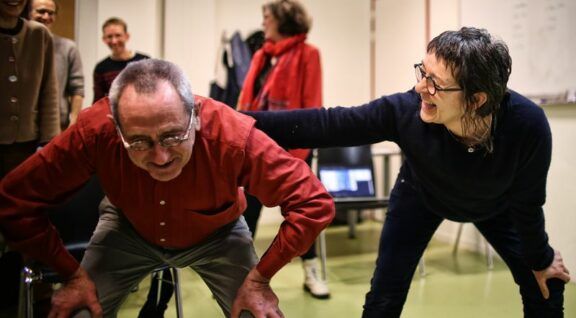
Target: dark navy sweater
x=454, y=183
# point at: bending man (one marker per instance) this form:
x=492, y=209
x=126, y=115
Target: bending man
x=175, y=166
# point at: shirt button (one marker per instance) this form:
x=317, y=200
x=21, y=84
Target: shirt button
x=13, y=99
x=14, y=40
x=162, y=240
x=162, y=202
x=12, y=78
x=14, y=118
x=11, y=59
x=162, y=223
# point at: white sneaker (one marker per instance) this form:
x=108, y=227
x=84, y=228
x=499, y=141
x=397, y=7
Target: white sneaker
x=312, y=283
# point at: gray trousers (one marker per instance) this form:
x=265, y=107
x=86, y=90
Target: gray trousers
x=117, y=259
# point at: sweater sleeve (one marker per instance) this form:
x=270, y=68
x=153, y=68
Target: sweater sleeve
x=75, y=85
x=48, y=107
x=528, y=194
x=278, y=179
x=338, y=126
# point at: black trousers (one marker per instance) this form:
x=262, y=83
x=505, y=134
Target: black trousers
x=408, y=228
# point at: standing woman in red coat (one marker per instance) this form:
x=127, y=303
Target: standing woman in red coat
x=285, y=74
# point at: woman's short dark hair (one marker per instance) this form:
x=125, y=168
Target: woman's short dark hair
x=291, y=16
x=479, y=63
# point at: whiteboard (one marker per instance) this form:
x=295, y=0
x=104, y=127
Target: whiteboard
x=541, y=37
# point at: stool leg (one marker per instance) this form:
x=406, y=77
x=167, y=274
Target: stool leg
x=25, y=303
x=177, y=293
x=352, y=220
x=158, y=276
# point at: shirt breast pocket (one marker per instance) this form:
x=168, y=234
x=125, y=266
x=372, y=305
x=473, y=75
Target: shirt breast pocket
x=211, y=218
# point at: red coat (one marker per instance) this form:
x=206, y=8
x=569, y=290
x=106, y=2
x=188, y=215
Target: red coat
x=294, y=81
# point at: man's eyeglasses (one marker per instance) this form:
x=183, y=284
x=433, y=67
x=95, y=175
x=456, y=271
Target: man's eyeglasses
x=45, y=11
x=167, y=141
x=431, y=86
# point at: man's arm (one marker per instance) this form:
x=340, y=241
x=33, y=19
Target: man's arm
x=76, y=292
x=75, y=85
x=256, y=296
x=278, y=179
x=45, y=180
x=75, y=107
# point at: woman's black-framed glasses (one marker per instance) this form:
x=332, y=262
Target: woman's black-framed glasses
x=431, y=86
x=170, y=140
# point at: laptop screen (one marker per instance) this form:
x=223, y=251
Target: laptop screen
x=347, y=181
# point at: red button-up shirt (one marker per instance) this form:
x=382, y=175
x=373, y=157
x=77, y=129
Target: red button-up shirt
x=228, y=154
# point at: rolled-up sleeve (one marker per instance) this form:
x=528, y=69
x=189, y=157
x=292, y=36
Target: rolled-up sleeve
x=278, y=179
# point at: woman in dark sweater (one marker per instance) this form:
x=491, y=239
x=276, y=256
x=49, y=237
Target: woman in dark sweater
x=474, y=151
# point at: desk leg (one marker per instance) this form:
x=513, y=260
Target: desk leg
x=352, y=220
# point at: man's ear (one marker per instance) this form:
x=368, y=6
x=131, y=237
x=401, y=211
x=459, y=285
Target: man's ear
x=196, y=114
x=480, y=99
x=197, y=123
x=112, y=119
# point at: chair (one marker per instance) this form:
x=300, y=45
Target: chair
x=75, y=221
x=348, y=175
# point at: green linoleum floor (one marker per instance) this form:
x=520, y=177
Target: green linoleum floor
x=458, y=286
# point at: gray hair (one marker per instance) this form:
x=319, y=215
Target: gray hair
x=145, y=75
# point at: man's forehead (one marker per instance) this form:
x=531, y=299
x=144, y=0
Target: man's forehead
x=114, y=27
x=43, y=3
x=160, y=103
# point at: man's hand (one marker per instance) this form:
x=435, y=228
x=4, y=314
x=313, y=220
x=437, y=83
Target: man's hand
x=555, y=270
x=76, y=293
x=256, y=296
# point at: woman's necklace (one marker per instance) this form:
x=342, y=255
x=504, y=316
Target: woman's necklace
x=470, y=147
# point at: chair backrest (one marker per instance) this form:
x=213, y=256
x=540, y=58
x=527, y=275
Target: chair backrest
x=77, y=218
x=347, y=171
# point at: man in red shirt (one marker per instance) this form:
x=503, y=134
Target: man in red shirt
x=175, y=167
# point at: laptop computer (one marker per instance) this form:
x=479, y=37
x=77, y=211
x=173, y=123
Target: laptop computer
x=352, y=185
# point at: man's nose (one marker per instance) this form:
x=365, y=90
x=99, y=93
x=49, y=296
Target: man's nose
x=160, y=155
